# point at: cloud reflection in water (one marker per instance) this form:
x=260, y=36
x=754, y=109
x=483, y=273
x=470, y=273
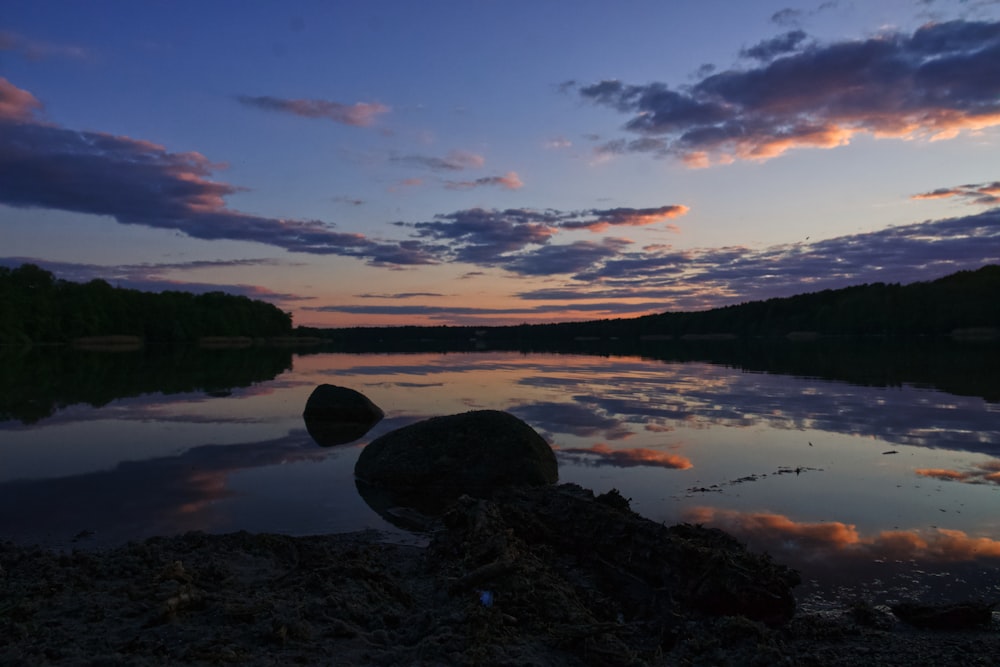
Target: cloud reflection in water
x=603, y=455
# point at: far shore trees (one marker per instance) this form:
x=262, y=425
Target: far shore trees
x=36, y=307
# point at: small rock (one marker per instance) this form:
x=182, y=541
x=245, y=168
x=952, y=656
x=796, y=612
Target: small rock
x=338, y=415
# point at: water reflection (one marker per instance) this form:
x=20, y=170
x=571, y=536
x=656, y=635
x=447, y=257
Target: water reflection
x=603, y=455
x=38, y=382
x=835, y=539
x=987, y=472
x=161, y=495
x=934, y=564
x=557, y=418
x=795, y=465
x=701, y=393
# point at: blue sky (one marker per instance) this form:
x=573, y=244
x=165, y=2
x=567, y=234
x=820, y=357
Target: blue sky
x=499, y=162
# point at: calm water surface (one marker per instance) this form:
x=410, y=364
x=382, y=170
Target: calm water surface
x=879, y=489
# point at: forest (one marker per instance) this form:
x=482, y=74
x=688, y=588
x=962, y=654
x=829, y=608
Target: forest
x=962, y=301
x=36, y=307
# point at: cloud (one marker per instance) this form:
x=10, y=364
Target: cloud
x=985, y=194
x=141, y=183
x=453, y=161
x=603, y=455
x=169, y=494
x=769, y=49
x=138, y=182
x=557, y=143
x=398, y=295
x=510, y=181
x=35, y=50
x=833, y=538
x=16, y=105
x=983, y=473
x=942, y=79
x=476, y=315
x=787, y=17
x=514, y=238
x=522, y=241
x=565, y=258
x=571, y=418
x=359, y=114
x=481, y=236
x=627, y=217
x=406, y=183
x=711, y=277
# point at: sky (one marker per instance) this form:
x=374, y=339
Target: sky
x=479, y=162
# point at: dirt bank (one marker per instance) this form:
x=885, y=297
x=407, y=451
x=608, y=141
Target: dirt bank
x=543, y=577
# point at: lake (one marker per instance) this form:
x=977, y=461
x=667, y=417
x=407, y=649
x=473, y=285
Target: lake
x=871, y=468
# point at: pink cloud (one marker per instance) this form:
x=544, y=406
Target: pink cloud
x=509, y=181
x=987, y=472
x=456, y=160
x=986, y=194
x=139, y=182
x=359, y=114
x=835, y=537
x=35, y=50
x=16, y=104
x=628, y=217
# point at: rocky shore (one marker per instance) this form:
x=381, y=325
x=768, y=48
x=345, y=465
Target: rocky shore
x=543, y=576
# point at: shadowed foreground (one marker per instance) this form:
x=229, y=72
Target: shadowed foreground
x=545, y=576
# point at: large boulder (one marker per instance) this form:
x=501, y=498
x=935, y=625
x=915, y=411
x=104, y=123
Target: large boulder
x=433, y=462
x=337, y=415
x=559, y=557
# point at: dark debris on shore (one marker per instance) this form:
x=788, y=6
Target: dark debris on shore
x=545, y=576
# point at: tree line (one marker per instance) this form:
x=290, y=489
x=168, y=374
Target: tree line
x=963, y=300
x=36, y=307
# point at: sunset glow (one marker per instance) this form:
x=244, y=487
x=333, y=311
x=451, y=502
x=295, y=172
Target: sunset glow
x=387, y=163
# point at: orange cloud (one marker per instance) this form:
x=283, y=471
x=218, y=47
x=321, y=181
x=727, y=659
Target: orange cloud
x=627, y=458
x=942, y=473
x=987, y=194
x=16, y=104
x=987, y=472
x=941, y=193
x=644, y=456
x=510, y=181
x=778, y=527
x=629, y=217
x=637, y=218
x=829, y=135
x=837, y=538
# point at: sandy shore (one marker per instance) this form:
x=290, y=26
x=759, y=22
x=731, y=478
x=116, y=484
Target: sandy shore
x=499, y=584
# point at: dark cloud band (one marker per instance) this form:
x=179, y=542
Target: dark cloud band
x=942, y=79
